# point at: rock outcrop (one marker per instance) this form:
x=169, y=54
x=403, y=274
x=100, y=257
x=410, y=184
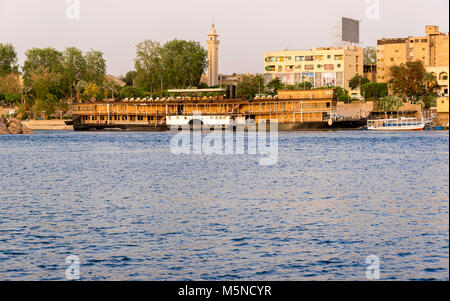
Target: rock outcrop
x=14, y=126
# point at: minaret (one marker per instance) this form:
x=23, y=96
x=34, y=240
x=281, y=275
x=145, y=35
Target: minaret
x=213, y=57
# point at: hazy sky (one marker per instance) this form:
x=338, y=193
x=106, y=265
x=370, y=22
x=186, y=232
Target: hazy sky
x=247, y=28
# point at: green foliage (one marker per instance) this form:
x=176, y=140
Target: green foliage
x=38, y=60
x=275, y=85
x=90, y=91
x=342, y=95
x=12, y=98
x=74, y=69
x=8, y=59
x=95, y=67
x=358, y=81
x=430, y=85
x=389, y=104
x=428, y=101
x=46, y=105
x=131, y=92
x=130, y=78
x=250, y=86
x=50, y=74
x=408, y=80
x=177, y=64
x=374, y=91
x=305, y=86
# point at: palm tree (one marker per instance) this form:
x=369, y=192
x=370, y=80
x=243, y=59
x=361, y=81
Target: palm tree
x=110, y=86
x=431, y=84
x=81, y=85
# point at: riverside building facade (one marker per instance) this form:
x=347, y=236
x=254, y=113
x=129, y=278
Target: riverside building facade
x=432, y=50
x=322, y=67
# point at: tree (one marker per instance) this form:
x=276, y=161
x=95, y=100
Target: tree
x=8, y=59
x=305, y=85
x=430, y=84
x=275, y=85
x=110, y=86
x=47, y=60
x=95, y=67
x=428, y=101
x=342, y=95
x=80, y=86
x=148, y=64
x=374, y=91
x=389, y=104
x=370, y=56
x=130, y=78
x=131, y=92
x=183, y=63
x=357, y=81
x=90, y=91
x=74, y=69
x=407, y=80
x=11, y=84
x=176, y=64
x=250, y=86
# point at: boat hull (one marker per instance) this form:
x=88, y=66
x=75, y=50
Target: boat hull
x=120, y=127
x=283, y=127
x=397, y=129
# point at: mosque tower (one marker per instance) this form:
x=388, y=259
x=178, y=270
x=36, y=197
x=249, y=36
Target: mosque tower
x=213, y=57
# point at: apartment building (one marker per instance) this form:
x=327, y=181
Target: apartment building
x=321, y=67
x=432, y=50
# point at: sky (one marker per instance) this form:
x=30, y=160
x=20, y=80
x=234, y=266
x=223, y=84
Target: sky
x=247, y=28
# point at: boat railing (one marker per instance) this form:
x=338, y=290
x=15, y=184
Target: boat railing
x=398, y=122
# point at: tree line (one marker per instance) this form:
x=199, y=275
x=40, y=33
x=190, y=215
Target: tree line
x=50, y=80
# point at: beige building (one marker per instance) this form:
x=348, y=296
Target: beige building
x=442, y=110
x=213, y=57
x=432, y=50
x=441, y=74
x=320, y=66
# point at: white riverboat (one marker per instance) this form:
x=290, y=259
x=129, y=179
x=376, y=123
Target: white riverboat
x=397, y=124
x=224, y=121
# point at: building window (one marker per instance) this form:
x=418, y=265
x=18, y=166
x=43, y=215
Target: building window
x=299, y=58
x=329, y=56
x=309, y=58
x=289, y=68
x=319, y=66
x=329, y=67
x=318, y=57
x=339, y=65
x=339, y=57
x=280, y=68
x=309, y=67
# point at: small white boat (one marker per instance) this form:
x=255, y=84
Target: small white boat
x=397, y=124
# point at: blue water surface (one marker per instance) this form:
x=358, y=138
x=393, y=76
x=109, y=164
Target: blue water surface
x=132, y=210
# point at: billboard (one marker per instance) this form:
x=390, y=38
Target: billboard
x=350, y=30
x=328, y=79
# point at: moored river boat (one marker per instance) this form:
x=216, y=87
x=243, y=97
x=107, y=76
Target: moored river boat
x=293, y=110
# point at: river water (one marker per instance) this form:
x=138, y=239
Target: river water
x=129, y=209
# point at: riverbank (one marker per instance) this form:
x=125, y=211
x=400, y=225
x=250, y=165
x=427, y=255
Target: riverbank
x=48, y=125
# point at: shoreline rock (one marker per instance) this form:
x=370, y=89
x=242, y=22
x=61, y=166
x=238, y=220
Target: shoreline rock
x=14, y=126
